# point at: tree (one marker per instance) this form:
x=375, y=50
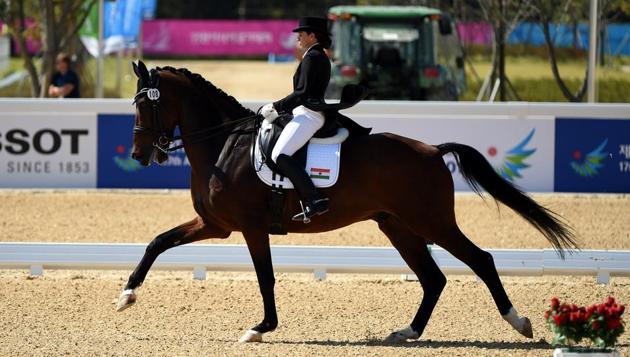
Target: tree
x=548, y=12
x=57, y=24
x=504, y=15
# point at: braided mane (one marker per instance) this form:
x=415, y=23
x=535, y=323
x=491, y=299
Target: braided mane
x=200, y=82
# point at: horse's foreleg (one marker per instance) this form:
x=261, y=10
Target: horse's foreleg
x=258, y=245
x=413, y=250
x=188, y=232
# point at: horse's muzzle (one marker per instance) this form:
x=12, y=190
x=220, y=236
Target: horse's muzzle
x=144, y=160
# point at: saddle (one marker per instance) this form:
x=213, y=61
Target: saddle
x=268, y=135
x=320, y=156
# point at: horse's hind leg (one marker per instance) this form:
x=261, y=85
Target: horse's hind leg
x=414, y=251
x=192, y=231
x=482, y=263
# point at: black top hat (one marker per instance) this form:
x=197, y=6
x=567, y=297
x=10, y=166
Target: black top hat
x=312, y=24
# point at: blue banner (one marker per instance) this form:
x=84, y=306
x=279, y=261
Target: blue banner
x=592, y=155
x=116, y=168
x=148, y=9
x=123, y=18
x=616, y=42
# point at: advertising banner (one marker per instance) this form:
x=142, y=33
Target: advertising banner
x=42, y=150
x=218, y=37
x=116, y=168
x=475, y=33
x=592, y=155
x=521, y=151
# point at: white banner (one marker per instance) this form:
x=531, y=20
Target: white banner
x=521, y=150
x=46, y=150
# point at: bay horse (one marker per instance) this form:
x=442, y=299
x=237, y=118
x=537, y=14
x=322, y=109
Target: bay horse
x=409, y=194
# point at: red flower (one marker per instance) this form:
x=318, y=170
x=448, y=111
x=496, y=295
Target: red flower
x=547, y=313
x=595, y=325
x=555, y=303
x=574, y=307
x=591, y=309
x=559, y=319
x=610, y=301
x=588, y=315
x=622, y=308
x=600, y=309
x=607, y=312
x=613, y=323
x=582, y=316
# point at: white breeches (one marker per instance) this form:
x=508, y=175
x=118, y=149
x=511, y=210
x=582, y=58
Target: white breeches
x=298, y=131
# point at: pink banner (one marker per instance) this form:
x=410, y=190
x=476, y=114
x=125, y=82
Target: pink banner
x=33, y=45
x=218, y=37
x=475, y=33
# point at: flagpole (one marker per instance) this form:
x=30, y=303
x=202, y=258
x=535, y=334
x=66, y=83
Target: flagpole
x=592, y=53
x=99, y=57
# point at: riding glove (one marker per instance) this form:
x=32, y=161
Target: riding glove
x=269, y=112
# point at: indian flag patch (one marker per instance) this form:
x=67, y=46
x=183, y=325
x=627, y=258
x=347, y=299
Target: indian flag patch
x=318, y=173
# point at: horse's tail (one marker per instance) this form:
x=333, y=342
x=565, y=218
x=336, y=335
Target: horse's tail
x=478, y=172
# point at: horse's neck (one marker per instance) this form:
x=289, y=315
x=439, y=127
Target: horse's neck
x=213, y=102
x=206, y=154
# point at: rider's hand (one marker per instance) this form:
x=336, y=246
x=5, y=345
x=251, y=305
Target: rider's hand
x=269, y=112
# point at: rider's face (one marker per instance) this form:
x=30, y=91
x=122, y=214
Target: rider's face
x=306, y=40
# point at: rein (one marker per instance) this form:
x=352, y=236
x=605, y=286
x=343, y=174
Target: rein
x=163, y=140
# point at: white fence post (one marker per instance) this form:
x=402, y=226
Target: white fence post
x=37, y=270
x=199, y=273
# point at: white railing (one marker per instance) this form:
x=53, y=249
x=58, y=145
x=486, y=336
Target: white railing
x=317, y=260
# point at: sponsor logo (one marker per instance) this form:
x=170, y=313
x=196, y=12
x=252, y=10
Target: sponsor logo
x=589, y=165
x=44, y=141
x=45, y=151
x=124, y=160
x=514, y=162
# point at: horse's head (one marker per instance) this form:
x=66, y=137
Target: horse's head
x=167, y=98
x=155, y=119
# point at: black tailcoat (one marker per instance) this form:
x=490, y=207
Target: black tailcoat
x=309, y=86
x=309, y=82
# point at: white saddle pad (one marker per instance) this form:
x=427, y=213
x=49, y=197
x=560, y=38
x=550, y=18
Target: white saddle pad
x=322, y=163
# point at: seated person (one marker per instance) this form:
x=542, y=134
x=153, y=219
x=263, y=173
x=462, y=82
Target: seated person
x=64, y=83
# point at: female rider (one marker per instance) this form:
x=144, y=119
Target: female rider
x=309, y=84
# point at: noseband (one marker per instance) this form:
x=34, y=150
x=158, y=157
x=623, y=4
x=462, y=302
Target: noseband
x=162, y=140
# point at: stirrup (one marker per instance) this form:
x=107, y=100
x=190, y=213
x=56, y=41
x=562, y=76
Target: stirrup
x=302, y=216
x=310, y=210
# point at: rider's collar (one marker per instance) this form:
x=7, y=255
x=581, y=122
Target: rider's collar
x=305, y=52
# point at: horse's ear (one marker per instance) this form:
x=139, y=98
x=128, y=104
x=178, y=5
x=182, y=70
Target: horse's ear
x=144, y=72
x=135, y=69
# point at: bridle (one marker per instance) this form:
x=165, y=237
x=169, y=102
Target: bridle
x=162, y=140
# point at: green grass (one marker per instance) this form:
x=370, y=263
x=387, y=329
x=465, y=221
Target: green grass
x=535, y=68
x=546, y=90
x=534, y=82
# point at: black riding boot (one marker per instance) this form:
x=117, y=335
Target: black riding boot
x=312, y=203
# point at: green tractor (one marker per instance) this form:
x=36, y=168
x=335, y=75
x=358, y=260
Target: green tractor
x=398, y=52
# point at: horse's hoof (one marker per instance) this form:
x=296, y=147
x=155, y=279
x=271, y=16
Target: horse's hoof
x=126, y=299
x=526, y=330
x=401, y=336
x=251, y=336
